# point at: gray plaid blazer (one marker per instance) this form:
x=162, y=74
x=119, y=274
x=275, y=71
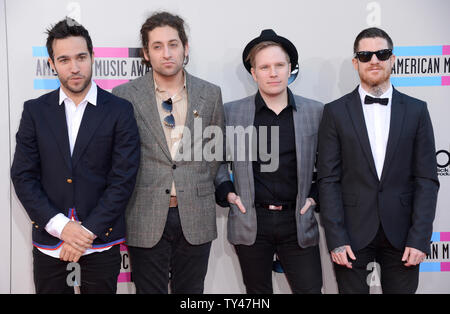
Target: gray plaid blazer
x=242, y=227
x=146, y=214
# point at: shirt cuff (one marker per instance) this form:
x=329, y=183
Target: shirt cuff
x=89, y=231
x=56, y=225
x=222, y=192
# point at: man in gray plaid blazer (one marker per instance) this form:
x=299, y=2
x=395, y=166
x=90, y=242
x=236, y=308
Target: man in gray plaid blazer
x=171, y=218
x=272, y=198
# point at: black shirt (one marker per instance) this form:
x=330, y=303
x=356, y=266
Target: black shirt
x=287, y=166
x=278, y=187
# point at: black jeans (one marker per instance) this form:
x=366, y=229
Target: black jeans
x=98, y=273
x=394, y=276
x=277, y=233
x=187, y=264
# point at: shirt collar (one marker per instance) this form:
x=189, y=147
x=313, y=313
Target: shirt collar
x=159, y=90
x=91, y=96
x=260, y=103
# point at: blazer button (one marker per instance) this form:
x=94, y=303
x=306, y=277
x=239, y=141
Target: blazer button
x=174, y=167
x=167, y=191
x=110, y=229
x=107, y=234
x=69, y=180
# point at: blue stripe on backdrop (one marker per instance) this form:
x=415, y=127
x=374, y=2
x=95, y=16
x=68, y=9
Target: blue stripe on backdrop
x=417, y=81
x=46, y=83
x=40, y=51
x=418, y=51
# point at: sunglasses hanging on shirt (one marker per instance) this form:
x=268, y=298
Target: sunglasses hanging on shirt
x=167, y=105
x=366, y=56
x=169, y=121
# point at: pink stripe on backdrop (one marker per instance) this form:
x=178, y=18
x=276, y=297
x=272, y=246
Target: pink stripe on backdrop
x=446, y=50
x=107, y=52
x=445, y=81
x=110, y=84
x=445, y=236
x=445, y=266
x=123, y=247
x=124, y=277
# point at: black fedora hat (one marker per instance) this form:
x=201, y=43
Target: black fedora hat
x=288, y=46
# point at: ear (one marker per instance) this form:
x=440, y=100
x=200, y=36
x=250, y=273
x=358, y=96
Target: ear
x=52, y=65
x=186, y=50
x=145, y=54
x=252, y=71
x=355, y=63
x=392, y=58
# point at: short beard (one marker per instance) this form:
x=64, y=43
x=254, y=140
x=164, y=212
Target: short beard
x=377, y=89
x=83, y=87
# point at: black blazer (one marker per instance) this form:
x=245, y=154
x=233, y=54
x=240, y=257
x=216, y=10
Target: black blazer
x=353, y=200
x=93, y=185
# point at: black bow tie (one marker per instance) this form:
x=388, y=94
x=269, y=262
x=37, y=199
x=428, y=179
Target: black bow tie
x=370, y=100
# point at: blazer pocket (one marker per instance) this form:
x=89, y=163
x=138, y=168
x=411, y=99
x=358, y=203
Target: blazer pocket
x=308, y=232
x=101, y=142
x=205, y=189
x=349, y=199
x=406, y=199
x=100, y=147
x=102, y=138
x=233, y=210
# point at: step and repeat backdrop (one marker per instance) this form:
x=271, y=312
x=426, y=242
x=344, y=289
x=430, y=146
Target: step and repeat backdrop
x=323, y=32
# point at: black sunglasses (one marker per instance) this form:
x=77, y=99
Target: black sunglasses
x=169, y=121
x=366, y=56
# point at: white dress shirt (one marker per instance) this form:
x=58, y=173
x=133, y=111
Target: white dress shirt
x=378, y=118
x=74, y=115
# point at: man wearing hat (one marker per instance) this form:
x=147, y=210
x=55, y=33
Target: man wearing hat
x=272, y=208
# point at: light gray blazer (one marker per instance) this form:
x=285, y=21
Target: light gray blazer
x=146, y=214
x=242, y=227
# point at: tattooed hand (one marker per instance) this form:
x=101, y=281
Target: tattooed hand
x=339, y=255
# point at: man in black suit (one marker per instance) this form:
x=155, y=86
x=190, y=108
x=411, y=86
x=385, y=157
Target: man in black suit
x=377, y=176
x=74, y=169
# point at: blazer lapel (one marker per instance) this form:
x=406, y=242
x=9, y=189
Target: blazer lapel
x=299, y=125
x=92, y=118
x=398, y=109
x=196, y=101
x=147, y=107
x=56, y=117
x=248, y=119
x=355, y=110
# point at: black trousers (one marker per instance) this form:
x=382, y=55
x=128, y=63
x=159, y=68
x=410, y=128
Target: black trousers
x=171, y=259
x=277, y=233
x=98, y=273
x=393, y=275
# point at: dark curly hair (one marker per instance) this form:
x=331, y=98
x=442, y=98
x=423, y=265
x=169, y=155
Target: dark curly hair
x=159, y=19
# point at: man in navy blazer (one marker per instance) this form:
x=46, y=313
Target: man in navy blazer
x=377, y=176
x=74, y=170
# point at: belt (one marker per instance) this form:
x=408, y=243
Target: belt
x=286, y=206
x=173, y=201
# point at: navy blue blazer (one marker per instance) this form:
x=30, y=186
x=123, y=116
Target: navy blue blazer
x=94, y=184
x=353, y=201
